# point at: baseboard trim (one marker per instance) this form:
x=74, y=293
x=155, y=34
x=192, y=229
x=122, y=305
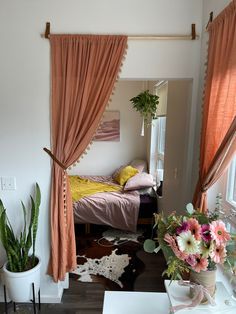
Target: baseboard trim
x=52, y=298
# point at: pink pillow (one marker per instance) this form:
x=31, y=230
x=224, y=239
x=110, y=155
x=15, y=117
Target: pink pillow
x=139, y=181
x=139, y=164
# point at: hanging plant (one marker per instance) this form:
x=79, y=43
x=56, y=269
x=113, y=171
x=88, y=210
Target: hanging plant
x=146, y=104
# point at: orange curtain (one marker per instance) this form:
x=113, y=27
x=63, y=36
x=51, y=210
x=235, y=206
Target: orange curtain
x=84, y=69
x=219, y=163
x=219, y=108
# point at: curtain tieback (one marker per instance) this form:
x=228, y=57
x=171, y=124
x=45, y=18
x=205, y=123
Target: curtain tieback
x=54, y=158
x=203, y=188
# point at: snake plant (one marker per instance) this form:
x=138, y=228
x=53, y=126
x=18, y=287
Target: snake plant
x=17, y=249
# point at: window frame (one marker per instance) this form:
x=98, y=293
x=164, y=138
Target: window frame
x=160, y=145
x=231, y=183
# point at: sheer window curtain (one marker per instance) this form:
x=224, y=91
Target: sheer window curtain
x=219, y=108
x=84, y=69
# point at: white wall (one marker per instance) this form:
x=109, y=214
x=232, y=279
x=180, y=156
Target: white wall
x=104, y=157
x=175, y=181
x=25, y=89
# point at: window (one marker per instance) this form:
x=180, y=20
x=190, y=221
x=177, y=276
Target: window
x=158, y=131
x=231, y=184
x=230, y=217
x=161, y=90
x=161, y=130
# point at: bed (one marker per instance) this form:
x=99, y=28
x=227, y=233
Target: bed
x=115, y=200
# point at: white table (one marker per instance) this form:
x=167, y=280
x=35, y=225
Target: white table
x=122, y=302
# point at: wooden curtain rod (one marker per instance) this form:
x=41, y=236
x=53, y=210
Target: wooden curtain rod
x=192, y=36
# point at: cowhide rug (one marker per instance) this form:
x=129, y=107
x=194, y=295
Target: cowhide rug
x=109, y=258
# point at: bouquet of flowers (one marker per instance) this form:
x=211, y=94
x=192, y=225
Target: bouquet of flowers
x=194, y=241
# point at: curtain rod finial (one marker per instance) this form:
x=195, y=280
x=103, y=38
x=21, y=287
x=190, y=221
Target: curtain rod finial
x=47, y=30
x=210, y=19
x=193, y=33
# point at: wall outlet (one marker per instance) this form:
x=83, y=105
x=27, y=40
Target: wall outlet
x=8, y=183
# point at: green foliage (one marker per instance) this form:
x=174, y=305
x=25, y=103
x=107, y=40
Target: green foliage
x=146, y=104
x=231, y=255
x=175, y=268
x=17, y=248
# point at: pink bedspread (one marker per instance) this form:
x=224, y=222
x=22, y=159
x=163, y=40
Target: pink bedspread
x=117, y=209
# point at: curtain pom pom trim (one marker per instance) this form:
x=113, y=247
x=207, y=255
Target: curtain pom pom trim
x=65, y=198
x=205, y=77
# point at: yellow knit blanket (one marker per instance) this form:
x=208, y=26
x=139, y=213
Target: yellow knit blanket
x=81, y=187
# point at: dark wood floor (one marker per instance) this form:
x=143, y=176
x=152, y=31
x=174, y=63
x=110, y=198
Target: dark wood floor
x=87, y=298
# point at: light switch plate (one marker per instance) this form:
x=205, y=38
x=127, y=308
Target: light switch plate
x=8, y=183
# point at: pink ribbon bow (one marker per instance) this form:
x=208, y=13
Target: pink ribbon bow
x=199, y=293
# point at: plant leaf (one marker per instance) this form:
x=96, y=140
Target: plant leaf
x=190, y=208
x=149, y=246
x=35, y=211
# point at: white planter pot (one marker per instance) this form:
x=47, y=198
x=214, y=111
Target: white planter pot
x=19, y=285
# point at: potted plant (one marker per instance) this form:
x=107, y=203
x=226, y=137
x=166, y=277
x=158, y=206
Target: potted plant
x=23, y=266
x=146, y=103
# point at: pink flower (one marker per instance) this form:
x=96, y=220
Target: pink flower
x=201, y=263
x=205, y=232
x=219, y=232
x=195, y=228
x=191, y=260
x=218, y=254
x=172, y=243
x=184, y=227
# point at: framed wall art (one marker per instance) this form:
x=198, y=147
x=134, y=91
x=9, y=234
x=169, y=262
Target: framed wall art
x=109, y=128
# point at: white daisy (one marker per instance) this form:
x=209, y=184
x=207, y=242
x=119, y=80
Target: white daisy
x=187, y=243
